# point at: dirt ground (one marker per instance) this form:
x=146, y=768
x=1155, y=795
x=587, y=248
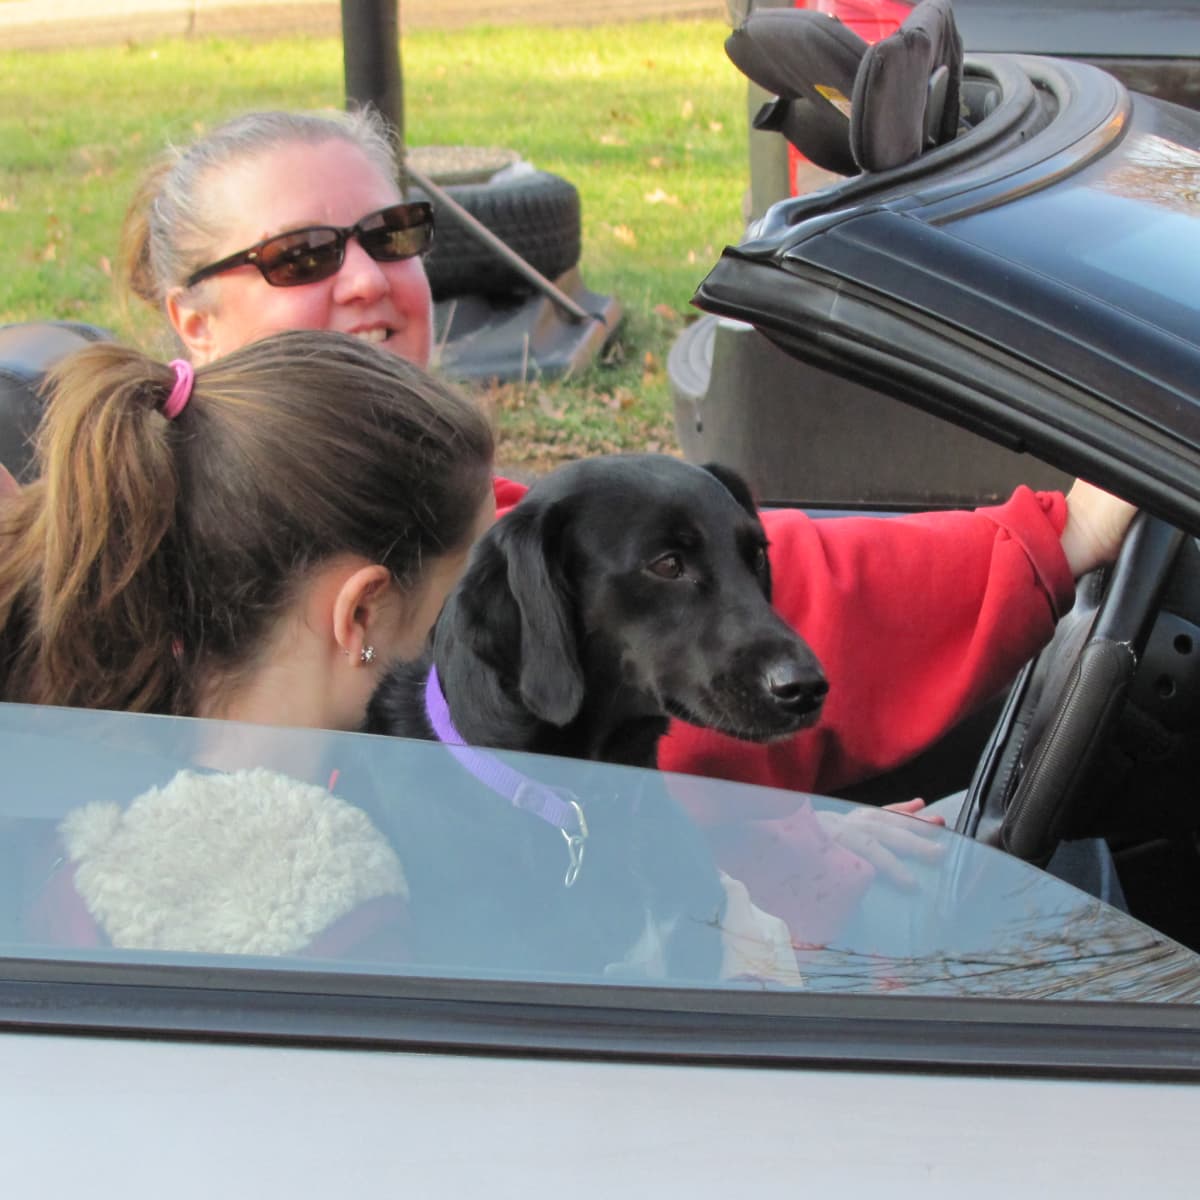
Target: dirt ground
x=50, y=24
x=448, y=13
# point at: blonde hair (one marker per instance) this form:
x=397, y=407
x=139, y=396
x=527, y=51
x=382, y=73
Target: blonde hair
x=150, y=554
x=170, y=230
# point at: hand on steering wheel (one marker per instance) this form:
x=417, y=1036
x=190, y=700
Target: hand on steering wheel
x=1064, y=708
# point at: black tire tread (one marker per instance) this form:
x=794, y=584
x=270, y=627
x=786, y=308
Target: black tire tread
x=537, y=215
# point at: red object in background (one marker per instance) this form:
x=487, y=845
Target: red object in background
x=872, y=20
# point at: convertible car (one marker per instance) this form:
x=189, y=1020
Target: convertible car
x=451, y=1018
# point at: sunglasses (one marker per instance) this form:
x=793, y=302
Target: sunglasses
x=316, y=252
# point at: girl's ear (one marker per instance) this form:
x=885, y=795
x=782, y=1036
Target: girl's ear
x=358, y=607
x=193, y=325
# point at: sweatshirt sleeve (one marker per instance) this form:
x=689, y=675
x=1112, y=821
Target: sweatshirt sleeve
x=507, y=492
x=916, y=620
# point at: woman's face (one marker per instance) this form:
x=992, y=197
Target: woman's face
x=331, y=183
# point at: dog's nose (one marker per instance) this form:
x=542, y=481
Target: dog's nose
x=796, y=688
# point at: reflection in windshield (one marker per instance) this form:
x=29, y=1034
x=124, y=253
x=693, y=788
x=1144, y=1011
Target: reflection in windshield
x=135, y=838
x=1046, y=947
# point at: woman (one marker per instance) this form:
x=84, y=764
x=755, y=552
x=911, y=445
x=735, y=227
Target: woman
x=916, y=620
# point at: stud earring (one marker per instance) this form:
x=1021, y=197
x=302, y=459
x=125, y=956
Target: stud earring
x=367, y=654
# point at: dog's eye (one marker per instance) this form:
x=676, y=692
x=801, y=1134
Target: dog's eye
x=670, y=566
x=759, y=562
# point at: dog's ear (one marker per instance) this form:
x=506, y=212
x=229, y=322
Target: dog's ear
x=550, y=676
x=735, y=485
x=739, y=489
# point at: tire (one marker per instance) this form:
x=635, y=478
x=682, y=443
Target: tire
x=533, y=212
x=27, y=351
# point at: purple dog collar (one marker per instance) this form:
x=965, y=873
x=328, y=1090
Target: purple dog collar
x=564, y=812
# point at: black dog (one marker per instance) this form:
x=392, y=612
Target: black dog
x=619, y=592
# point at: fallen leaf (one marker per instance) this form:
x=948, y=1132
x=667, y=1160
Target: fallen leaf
x=658, y=196
x=666, y=312
x=715, y=126
x=549, y=409
x=624, y=235
x=612, y=139
x=686, y=110
x=656, y=162
x=105, y=265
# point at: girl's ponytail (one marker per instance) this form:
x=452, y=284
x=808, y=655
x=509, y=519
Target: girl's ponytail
x=89, y=562
x=175, y=516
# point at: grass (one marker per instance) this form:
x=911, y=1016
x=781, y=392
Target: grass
x=647, y=119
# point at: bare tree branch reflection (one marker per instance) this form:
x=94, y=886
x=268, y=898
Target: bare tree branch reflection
x=1160, y=172
x=1089, y=952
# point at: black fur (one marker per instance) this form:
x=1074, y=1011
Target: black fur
x=619, y=592
x=568, y=634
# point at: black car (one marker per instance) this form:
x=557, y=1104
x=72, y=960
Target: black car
x=1152, y=48
x=1062, y=197
x=1027, y=287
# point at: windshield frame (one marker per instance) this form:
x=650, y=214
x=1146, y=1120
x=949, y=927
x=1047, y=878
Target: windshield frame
x=1046, y=1039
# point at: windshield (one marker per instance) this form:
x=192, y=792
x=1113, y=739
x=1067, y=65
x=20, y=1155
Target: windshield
x=154, y=839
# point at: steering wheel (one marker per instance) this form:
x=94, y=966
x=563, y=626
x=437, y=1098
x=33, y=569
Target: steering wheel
x=1027, y=790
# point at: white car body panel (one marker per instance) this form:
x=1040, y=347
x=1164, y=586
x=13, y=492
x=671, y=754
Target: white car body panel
x=131, y=1119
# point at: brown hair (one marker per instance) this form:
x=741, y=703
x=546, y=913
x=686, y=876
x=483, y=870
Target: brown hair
x=170, y=230
x=150, y=554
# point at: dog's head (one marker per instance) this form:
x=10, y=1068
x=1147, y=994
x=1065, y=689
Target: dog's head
x=626, y=587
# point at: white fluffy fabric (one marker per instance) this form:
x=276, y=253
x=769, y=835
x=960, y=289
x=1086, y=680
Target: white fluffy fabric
x=250, y=862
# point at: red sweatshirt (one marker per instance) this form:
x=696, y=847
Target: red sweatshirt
x=916, y=620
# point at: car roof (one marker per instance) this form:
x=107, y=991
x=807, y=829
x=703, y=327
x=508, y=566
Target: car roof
x=1029, y=280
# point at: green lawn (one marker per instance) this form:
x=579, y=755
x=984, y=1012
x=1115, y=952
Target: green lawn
x=646, y=119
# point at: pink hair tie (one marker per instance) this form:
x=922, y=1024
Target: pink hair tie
x=181, y=391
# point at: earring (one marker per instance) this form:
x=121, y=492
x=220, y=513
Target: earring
x=367, y=654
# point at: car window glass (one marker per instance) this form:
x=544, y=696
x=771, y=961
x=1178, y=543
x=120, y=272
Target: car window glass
x=159, y=839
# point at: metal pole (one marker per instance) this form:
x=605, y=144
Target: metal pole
x=371, y=54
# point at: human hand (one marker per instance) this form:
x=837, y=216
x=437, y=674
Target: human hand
x=915, y=808
x=1096, y=525
x=885, y=842
x=754, y=943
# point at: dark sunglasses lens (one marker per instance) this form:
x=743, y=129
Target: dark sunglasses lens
x=402, y=231
x=305, y=256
